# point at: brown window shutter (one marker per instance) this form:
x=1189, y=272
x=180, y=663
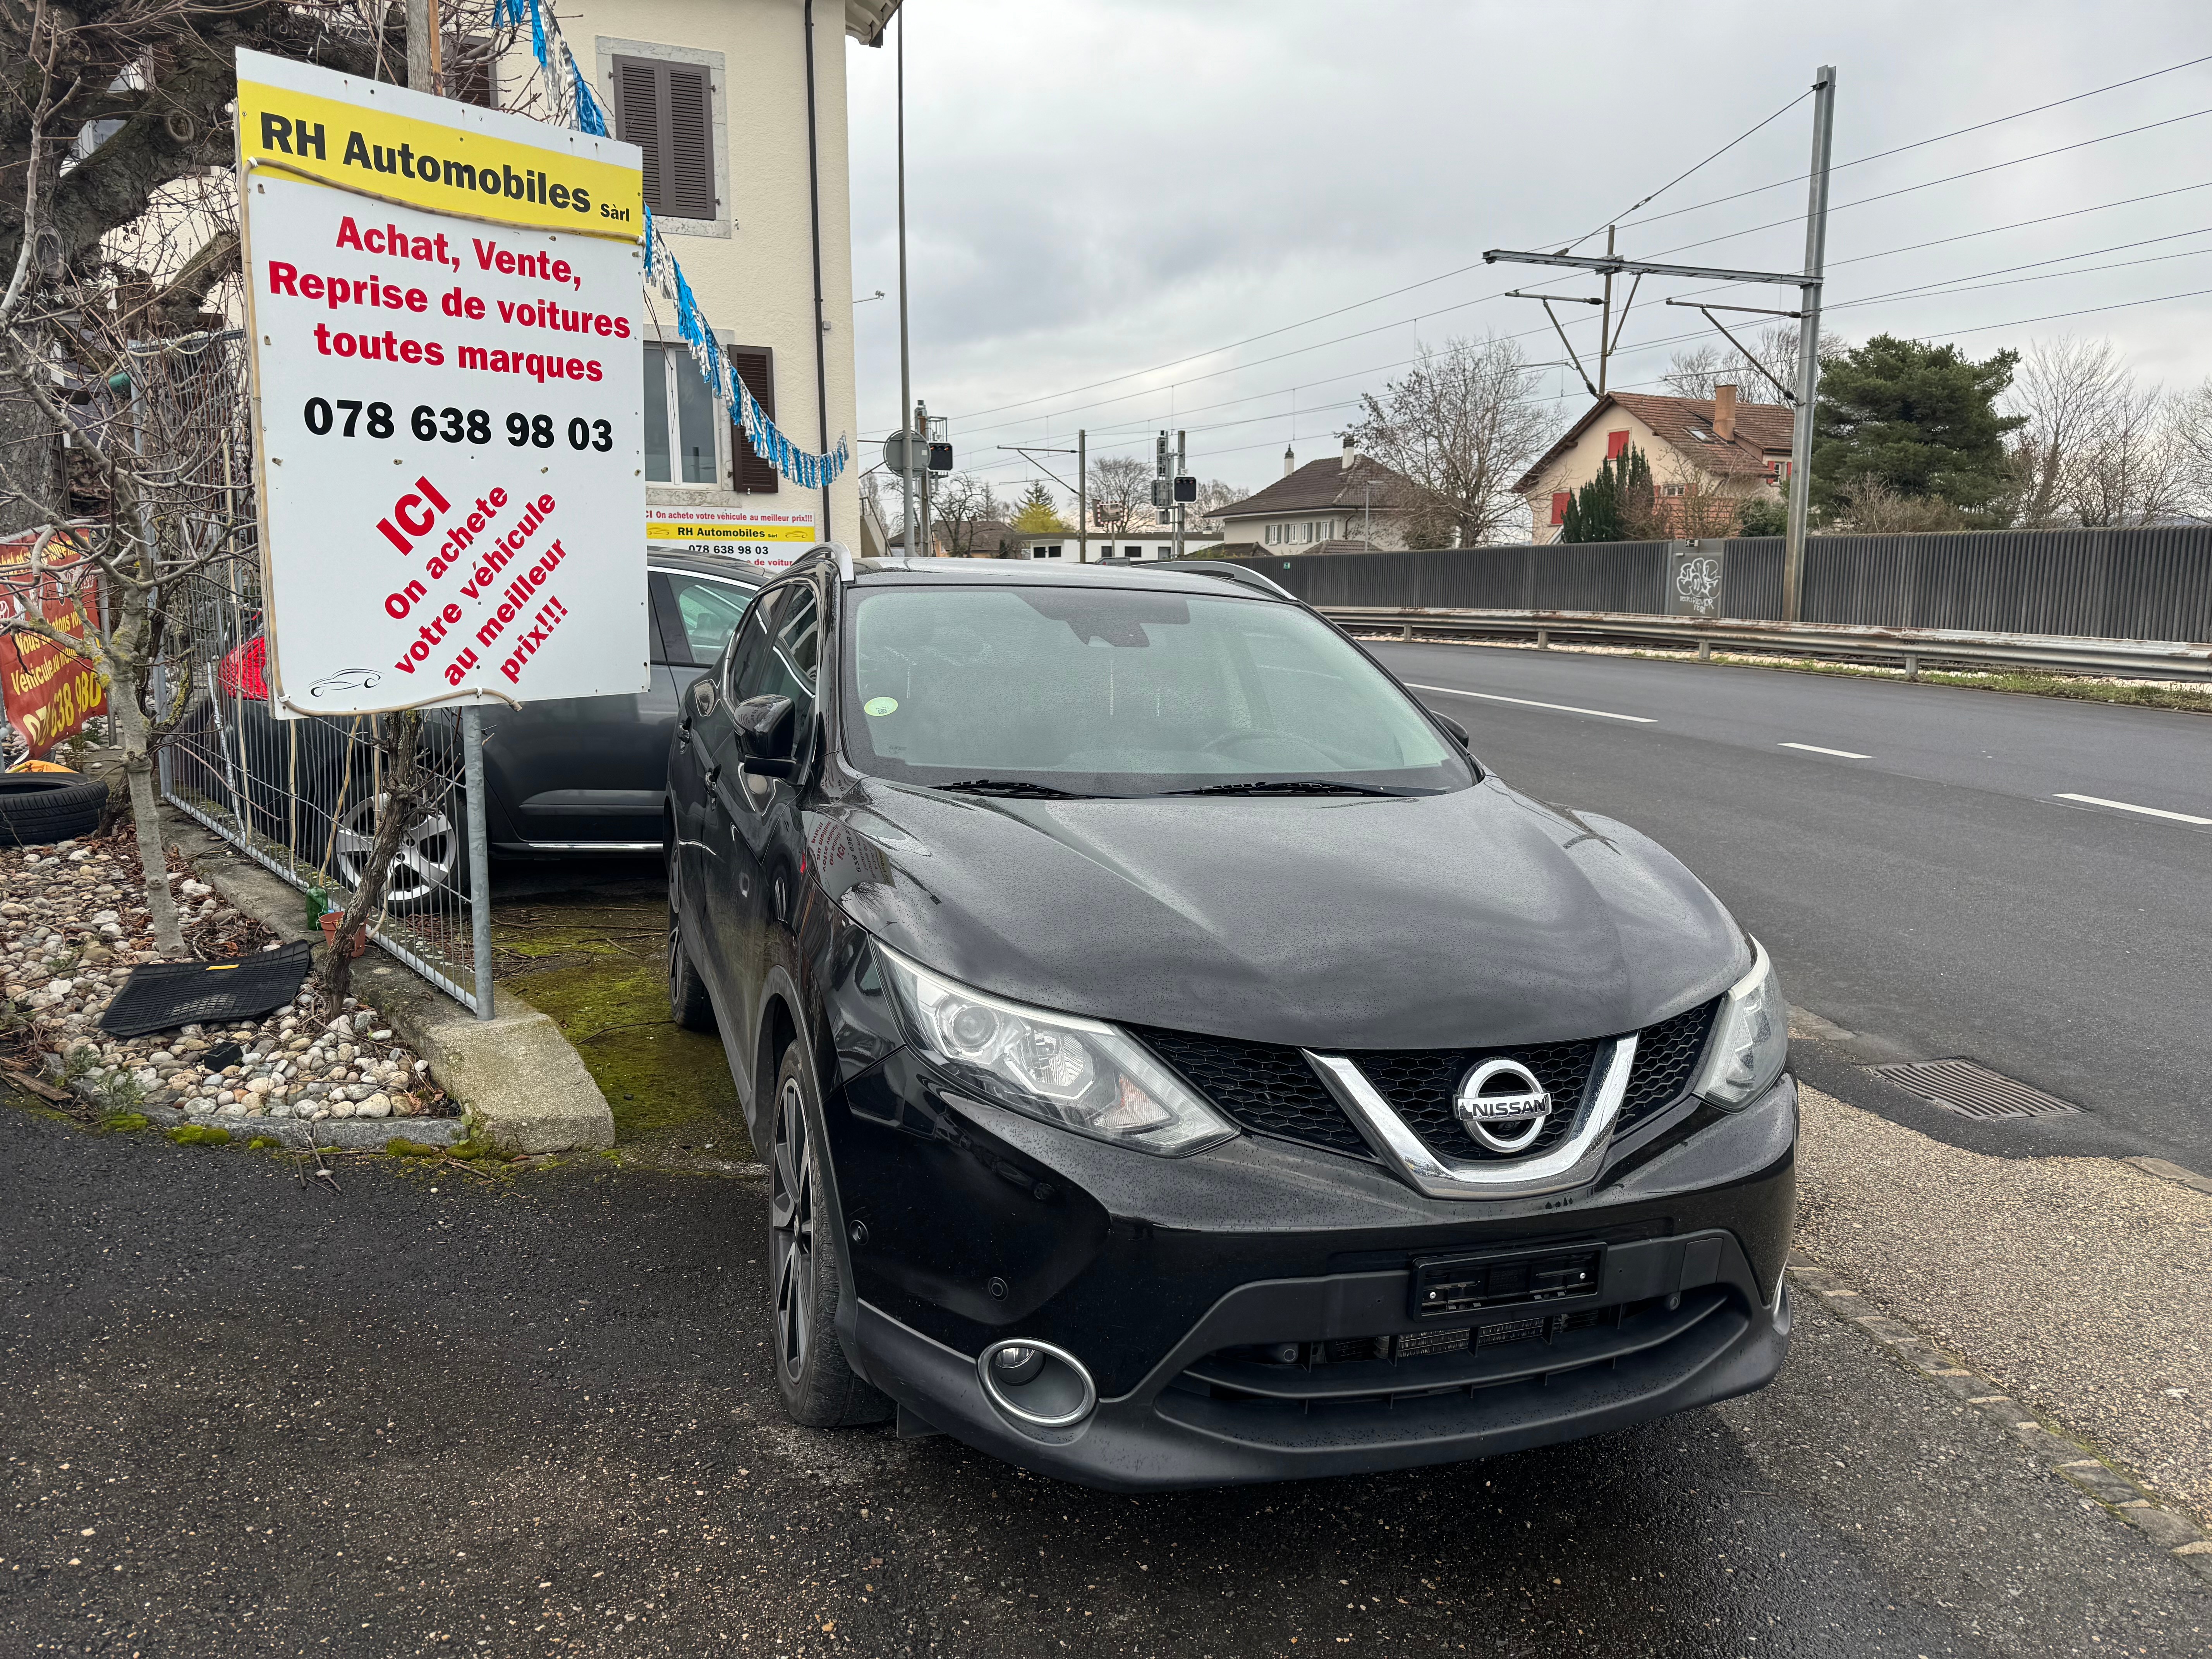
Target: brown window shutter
x=756, y=367
x=690, y=184
x=637, y=121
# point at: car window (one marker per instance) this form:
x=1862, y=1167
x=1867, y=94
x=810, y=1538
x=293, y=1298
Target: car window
x=702, y=614
x=749, y=647
x=1120, y=690
x=787, y=665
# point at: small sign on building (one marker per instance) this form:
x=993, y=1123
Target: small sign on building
x=769, y=539
x=443, y=303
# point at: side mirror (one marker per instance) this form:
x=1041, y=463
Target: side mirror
x=1458, y=732
x=702, y=693
x=767, y=729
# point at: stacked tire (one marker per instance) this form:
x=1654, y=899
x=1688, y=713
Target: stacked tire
x=38, y=809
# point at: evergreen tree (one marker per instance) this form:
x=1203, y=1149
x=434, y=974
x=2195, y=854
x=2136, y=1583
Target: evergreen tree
x=1038, y=514
x=1918, y=419
x=1605, y=508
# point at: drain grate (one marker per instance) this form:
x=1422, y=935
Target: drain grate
x=1972, y=1090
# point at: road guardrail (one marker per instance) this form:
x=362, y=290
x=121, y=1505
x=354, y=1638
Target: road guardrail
x=1913, y=648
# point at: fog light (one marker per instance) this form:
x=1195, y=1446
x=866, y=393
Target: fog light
x=1037, y=1384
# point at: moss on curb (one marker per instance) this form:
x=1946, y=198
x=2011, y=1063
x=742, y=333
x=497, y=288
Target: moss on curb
x=123, y=1123
x=199, y=1134
x=400, y=1146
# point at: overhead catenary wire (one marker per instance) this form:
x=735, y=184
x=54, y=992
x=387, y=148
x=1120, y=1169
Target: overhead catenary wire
x=1648, y=219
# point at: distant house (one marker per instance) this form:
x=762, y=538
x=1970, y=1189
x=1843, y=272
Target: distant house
x=1350, y=503
x=1712, y=451
x=1142, y=542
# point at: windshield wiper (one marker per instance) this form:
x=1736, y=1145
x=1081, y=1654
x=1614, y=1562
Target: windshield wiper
x=1012, y=787
x=1289, y=787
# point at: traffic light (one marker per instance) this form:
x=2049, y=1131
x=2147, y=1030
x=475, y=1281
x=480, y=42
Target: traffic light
x=940, y=458
x=1186, y=488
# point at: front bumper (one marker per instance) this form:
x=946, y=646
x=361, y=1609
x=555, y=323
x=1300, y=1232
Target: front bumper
x=969, y=1225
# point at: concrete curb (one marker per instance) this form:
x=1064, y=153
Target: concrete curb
x=331, y=1134
x=2114, y=1488
x=521, y=1083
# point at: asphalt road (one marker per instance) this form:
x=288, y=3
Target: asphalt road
x=425, y=1413
x=1910, y=855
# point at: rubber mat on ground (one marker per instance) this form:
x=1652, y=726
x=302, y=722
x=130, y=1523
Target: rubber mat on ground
x=160, y=996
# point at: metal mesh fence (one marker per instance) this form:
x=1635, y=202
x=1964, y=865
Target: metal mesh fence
x=301, y=797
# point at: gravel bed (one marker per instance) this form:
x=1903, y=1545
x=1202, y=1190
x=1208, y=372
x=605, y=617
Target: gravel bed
x=73, y=924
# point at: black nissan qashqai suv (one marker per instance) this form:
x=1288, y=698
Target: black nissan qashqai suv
x=1179, y=1060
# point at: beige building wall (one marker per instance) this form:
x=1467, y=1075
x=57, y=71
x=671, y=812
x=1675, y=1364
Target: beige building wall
x=752, y=266
x=1579, y=464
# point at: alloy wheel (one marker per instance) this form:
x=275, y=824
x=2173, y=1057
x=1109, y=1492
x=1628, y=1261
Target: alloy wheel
x=791, y=1233
x=426, y=860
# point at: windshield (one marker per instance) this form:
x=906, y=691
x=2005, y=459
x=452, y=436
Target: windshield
x=1107, y=691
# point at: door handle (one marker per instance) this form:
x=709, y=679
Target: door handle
x=712, y=773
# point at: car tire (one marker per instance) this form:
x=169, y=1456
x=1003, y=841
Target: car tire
x=40, y=808
x=688, y=1002
x=804, y=1261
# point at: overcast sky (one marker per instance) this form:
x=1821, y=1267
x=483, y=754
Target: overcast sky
x=1098, y=187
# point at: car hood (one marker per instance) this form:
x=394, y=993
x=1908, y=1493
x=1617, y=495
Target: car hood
x=1474, y=918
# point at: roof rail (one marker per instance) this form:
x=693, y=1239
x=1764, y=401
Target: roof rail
x=831, y=553
x=1242, y=575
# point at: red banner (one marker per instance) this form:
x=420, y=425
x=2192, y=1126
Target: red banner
x=48, y=691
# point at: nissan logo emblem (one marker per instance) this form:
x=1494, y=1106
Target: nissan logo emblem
x=1503, y=1105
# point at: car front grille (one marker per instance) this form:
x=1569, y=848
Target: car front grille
x=1264, y=1088
x=1269, y=1088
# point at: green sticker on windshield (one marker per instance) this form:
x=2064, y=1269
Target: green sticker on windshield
x=882, y=705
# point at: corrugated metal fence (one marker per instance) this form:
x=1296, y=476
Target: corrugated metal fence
x=2104, y=584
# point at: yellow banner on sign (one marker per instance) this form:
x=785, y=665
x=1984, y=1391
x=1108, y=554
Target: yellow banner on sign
x=439, y=168
x=659, y=530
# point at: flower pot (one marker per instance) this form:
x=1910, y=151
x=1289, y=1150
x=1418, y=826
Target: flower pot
x=357, y=940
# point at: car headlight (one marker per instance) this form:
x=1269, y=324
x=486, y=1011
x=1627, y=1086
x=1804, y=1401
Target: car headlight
x=1081, y=1074
x=1750, y=1038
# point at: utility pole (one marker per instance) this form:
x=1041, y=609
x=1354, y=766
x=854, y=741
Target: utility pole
x=1082, y=496
x=1182, y=457
x=906, y=367
x=1809, y=346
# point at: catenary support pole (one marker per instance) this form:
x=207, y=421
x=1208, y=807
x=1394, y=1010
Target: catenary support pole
x=1082, y=497
x=1605, y=319
x=1809, y=346
x=906, y=362
x=472, y=786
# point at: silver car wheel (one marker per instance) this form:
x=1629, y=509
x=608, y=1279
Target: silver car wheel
x=791, y=1233
x=427, y=855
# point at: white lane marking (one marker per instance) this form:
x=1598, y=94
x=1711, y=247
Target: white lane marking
x=1840, y=754
x=2130, y=806
x=1530, y=702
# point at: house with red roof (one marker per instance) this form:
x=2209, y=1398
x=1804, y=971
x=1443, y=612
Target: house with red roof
x=1706, y=454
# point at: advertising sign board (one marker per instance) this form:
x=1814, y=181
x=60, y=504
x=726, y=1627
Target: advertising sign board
x=444, y=308
x=768, y=538
x=48, y=690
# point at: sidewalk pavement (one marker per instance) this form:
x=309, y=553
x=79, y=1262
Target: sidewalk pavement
x=2081, y=1283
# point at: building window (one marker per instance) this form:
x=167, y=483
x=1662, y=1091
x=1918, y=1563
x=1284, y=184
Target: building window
x=667, y=110
x=1616, y=444
x=1673, y=489
x=1777, y=469
x=749, y=473
x=679, y=420
x=1559, y=500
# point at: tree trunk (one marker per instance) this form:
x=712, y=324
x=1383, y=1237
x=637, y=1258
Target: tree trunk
x=129, y=722
x=400, y=808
